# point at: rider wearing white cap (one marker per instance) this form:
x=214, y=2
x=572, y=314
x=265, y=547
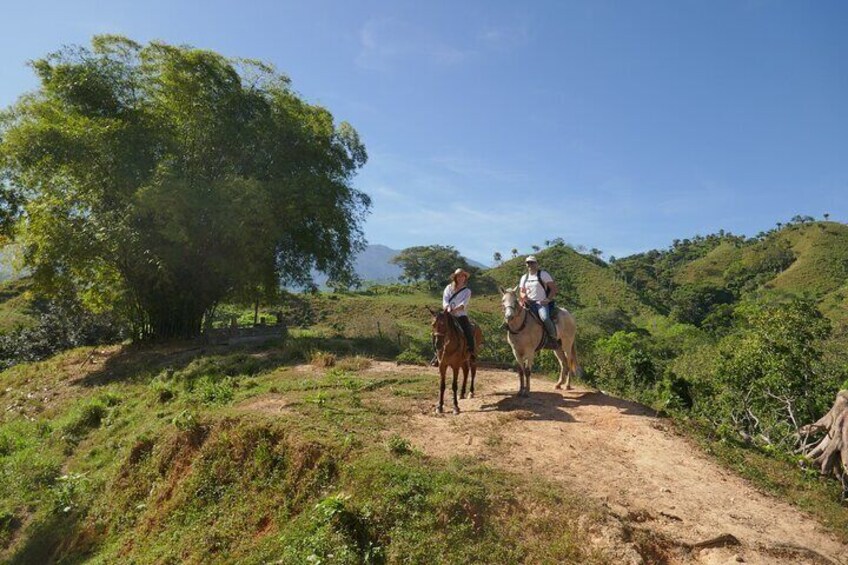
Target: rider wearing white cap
x=536, y=291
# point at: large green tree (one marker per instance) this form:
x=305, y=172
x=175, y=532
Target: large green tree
x=432, y=264
x=163, y=179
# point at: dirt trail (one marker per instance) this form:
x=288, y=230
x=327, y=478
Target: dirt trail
x=622, y=457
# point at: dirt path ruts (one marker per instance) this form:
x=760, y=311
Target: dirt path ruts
x=621, y=456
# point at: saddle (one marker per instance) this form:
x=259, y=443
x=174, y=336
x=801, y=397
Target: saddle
x=458, y=328
x=547, y=342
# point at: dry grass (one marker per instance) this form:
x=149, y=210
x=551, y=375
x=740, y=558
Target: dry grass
x=354, y=363
x=322, y=359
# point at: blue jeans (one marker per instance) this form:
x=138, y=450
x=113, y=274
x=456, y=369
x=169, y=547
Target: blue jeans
x=544, y=315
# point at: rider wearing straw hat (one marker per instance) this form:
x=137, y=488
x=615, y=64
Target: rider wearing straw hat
x=455, y=300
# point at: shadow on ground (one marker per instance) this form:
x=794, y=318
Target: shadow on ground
x=554, y=406
x=595, y=398
x=539, y=406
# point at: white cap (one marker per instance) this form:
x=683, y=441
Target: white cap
x=531, y=259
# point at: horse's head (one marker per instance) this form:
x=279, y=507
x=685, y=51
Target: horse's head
x=438, y=326
x=509, y=302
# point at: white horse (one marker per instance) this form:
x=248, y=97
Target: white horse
x=526, y=332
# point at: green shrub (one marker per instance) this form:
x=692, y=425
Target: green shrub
x=411, y=357
x=213, y=390
x=769, y=379
x=398, y=445
x=83, y=419
x=624, y=365
x=186, y=421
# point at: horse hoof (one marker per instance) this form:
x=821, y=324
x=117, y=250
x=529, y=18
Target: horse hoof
x=569, y=387
x=439, y=409
x=463, y=397
x=471, y=395
x=456, y=409
x=559, y=386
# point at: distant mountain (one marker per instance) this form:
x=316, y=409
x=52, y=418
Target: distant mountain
x=373, y=265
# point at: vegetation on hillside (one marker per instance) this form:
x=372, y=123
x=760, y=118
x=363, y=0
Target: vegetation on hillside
x=174, y=455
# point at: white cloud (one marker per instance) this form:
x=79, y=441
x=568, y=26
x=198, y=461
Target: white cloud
x=386, y=42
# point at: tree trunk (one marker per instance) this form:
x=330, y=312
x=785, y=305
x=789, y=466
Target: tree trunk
x=830, y=454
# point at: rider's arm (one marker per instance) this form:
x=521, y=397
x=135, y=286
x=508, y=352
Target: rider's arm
x=445, y=295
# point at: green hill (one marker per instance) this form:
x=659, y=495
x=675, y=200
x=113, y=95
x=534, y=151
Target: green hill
x=583, y=282
x=806, y=258
x=801, y=259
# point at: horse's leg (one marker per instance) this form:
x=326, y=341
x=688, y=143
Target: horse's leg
x=464, y=377
x=527, y=372
x=563, y=367
x=520, y=377
x=442, y=371
x=455, y=400
x=473, y=374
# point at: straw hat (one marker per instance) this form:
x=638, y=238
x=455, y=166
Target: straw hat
x=458, y=272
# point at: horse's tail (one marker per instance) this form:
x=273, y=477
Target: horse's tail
x=572, y=358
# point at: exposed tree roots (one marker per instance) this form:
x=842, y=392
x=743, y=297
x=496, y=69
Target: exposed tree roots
x=830, y=454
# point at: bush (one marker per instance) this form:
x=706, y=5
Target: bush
x=411, y=356
x=85, y=418
x=398, y=445
x=769, y=379
x=624, y=366
x=215, y=391
x=61, y=325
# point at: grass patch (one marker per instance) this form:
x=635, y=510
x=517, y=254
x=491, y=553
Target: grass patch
x=165, y=465
x=354, y=363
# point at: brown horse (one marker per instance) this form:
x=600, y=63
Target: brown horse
x=451, y=351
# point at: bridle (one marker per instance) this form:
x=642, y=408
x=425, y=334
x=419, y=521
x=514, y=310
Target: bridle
x=510, y=315
x=438, y=337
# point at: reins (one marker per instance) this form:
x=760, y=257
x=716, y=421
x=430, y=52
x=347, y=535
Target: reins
x=520, y=328
x=447, y=334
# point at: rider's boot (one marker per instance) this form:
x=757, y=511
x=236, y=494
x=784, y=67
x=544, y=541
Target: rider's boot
x=550, y=328
x=465, y=323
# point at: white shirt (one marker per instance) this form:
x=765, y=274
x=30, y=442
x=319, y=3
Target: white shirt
x=461, y=299
x=534, y=289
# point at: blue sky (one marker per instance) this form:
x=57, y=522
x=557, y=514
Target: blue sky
x=494, y=125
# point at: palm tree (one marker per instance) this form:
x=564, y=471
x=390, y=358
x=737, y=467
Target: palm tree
x=497, y=257
x=826, y=216
x=514, y=253
x=536, y=248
